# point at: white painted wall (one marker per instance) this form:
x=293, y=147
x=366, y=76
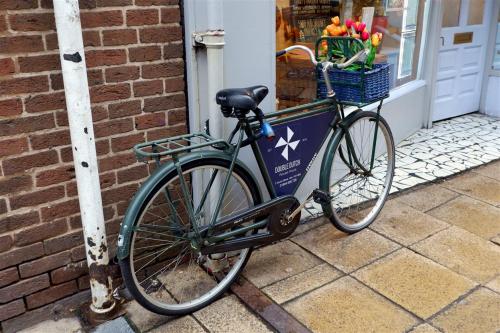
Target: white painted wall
x=492, y=103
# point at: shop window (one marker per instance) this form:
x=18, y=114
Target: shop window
x=302, y=21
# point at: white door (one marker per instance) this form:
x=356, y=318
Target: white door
x=464, y=37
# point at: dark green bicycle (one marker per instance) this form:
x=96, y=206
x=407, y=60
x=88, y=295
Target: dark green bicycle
x=191, y=227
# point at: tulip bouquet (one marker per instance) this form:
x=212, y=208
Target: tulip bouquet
x=340, y=52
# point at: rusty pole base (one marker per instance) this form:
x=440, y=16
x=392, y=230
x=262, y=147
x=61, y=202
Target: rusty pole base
x=90, y=319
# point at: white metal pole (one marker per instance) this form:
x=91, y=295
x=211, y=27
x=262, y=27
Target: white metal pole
x=69, y=34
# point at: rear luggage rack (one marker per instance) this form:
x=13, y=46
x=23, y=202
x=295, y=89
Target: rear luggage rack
x=176, y=145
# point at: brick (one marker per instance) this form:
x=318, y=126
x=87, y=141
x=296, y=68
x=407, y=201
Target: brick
x=3, y=23
x=26, y=124
x=150, y=121
x=17, y=256
x=24, y=163
x=69, y=272
x=168, y=69
x=170, y=15
x=13, y=147
x=3, y=206
x=124, y=109
x=164, y=103
x=123, y=193
x=7, y=66
x=173, y=50
x=8, y=276
x=113, y=127
x=166, y=132
x=176, y=117
x=101, y=19
x=132, y=174
x=148, y=88
x=174, y=85
x=51, y=294
x=126, y=142
x=55, y=176
x=116, y=161
x=97, y=58
x=160, y=35
x=39, y=233
x=14, y=222
x=32, y=22
x=119, y=37
x=84, y=282
x=41, y=63
x=113, y=3
x=36, y=198
x=15, y=184
x=11, y=107
x=156, y=2
x=141, y=17
x=21, y=44
x=5, y=243
x=78, y=253
x=64, y=242
x=108, y=93
x=24, y=287
x=120, y=74
x=18, y=4
x=46, y=102
x=12, y=309
x=44, y=264
x=59, y=210
x=145, y=53
x=50, y=140
x=26, y=85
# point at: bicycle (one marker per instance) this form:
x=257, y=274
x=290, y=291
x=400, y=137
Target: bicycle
x=190, y=229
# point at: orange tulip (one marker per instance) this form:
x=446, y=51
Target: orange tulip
x=331, y=29
x=344, y=29
x=355, y=36
x=336, y=20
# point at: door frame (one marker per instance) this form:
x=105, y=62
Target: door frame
x=488, y=71
x=431, y=62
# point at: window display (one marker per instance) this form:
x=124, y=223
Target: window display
x=302, y=22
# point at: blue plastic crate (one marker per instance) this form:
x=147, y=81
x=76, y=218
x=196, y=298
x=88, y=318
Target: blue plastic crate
x=356, y=87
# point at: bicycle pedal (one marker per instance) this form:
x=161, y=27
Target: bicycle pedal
x=321, y=197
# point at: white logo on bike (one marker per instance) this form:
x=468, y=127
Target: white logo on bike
x=287, y=143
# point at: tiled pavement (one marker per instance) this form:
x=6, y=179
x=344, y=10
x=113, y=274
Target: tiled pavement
x=429, y=263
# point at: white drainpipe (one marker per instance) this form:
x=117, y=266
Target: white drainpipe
x=69, y=33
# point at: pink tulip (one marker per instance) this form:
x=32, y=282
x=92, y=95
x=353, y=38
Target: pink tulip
x=361, y=27
x=349, y=23
x=365, y=35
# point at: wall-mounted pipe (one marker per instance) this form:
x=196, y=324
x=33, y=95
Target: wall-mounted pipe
x=69, y=34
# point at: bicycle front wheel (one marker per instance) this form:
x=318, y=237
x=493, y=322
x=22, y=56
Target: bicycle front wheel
x=165, y=271
x=361, y=172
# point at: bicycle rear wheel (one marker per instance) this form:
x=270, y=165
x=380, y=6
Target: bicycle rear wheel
x=361, y=173
x=165, y=271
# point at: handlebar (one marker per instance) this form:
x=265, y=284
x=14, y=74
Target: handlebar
x=326, y=65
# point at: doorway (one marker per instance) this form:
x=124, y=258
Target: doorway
x=461, y=57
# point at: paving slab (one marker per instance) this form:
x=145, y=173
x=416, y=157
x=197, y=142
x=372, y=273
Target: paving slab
x=477, y=186
x=470, y=214
x=277, y=262
x=405, y=224
x=284, y=290
x=496, y=240
x=184, y=324
x=414, y=282
x=64, y=325
x=345, y=252
x=427, y=197
x=494, y=284
x=143, y=319
x=462, y=252
x=491, y=170
x=113, y=326
x=424, y=328
x=478, y=312
x=346, y=305
x=229, y=315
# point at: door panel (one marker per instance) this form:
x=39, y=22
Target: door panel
x=461, y=57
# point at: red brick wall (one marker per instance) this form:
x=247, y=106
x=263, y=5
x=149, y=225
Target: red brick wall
x=134, y=52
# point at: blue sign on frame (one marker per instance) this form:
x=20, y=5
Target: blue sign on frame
x=293, y=150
